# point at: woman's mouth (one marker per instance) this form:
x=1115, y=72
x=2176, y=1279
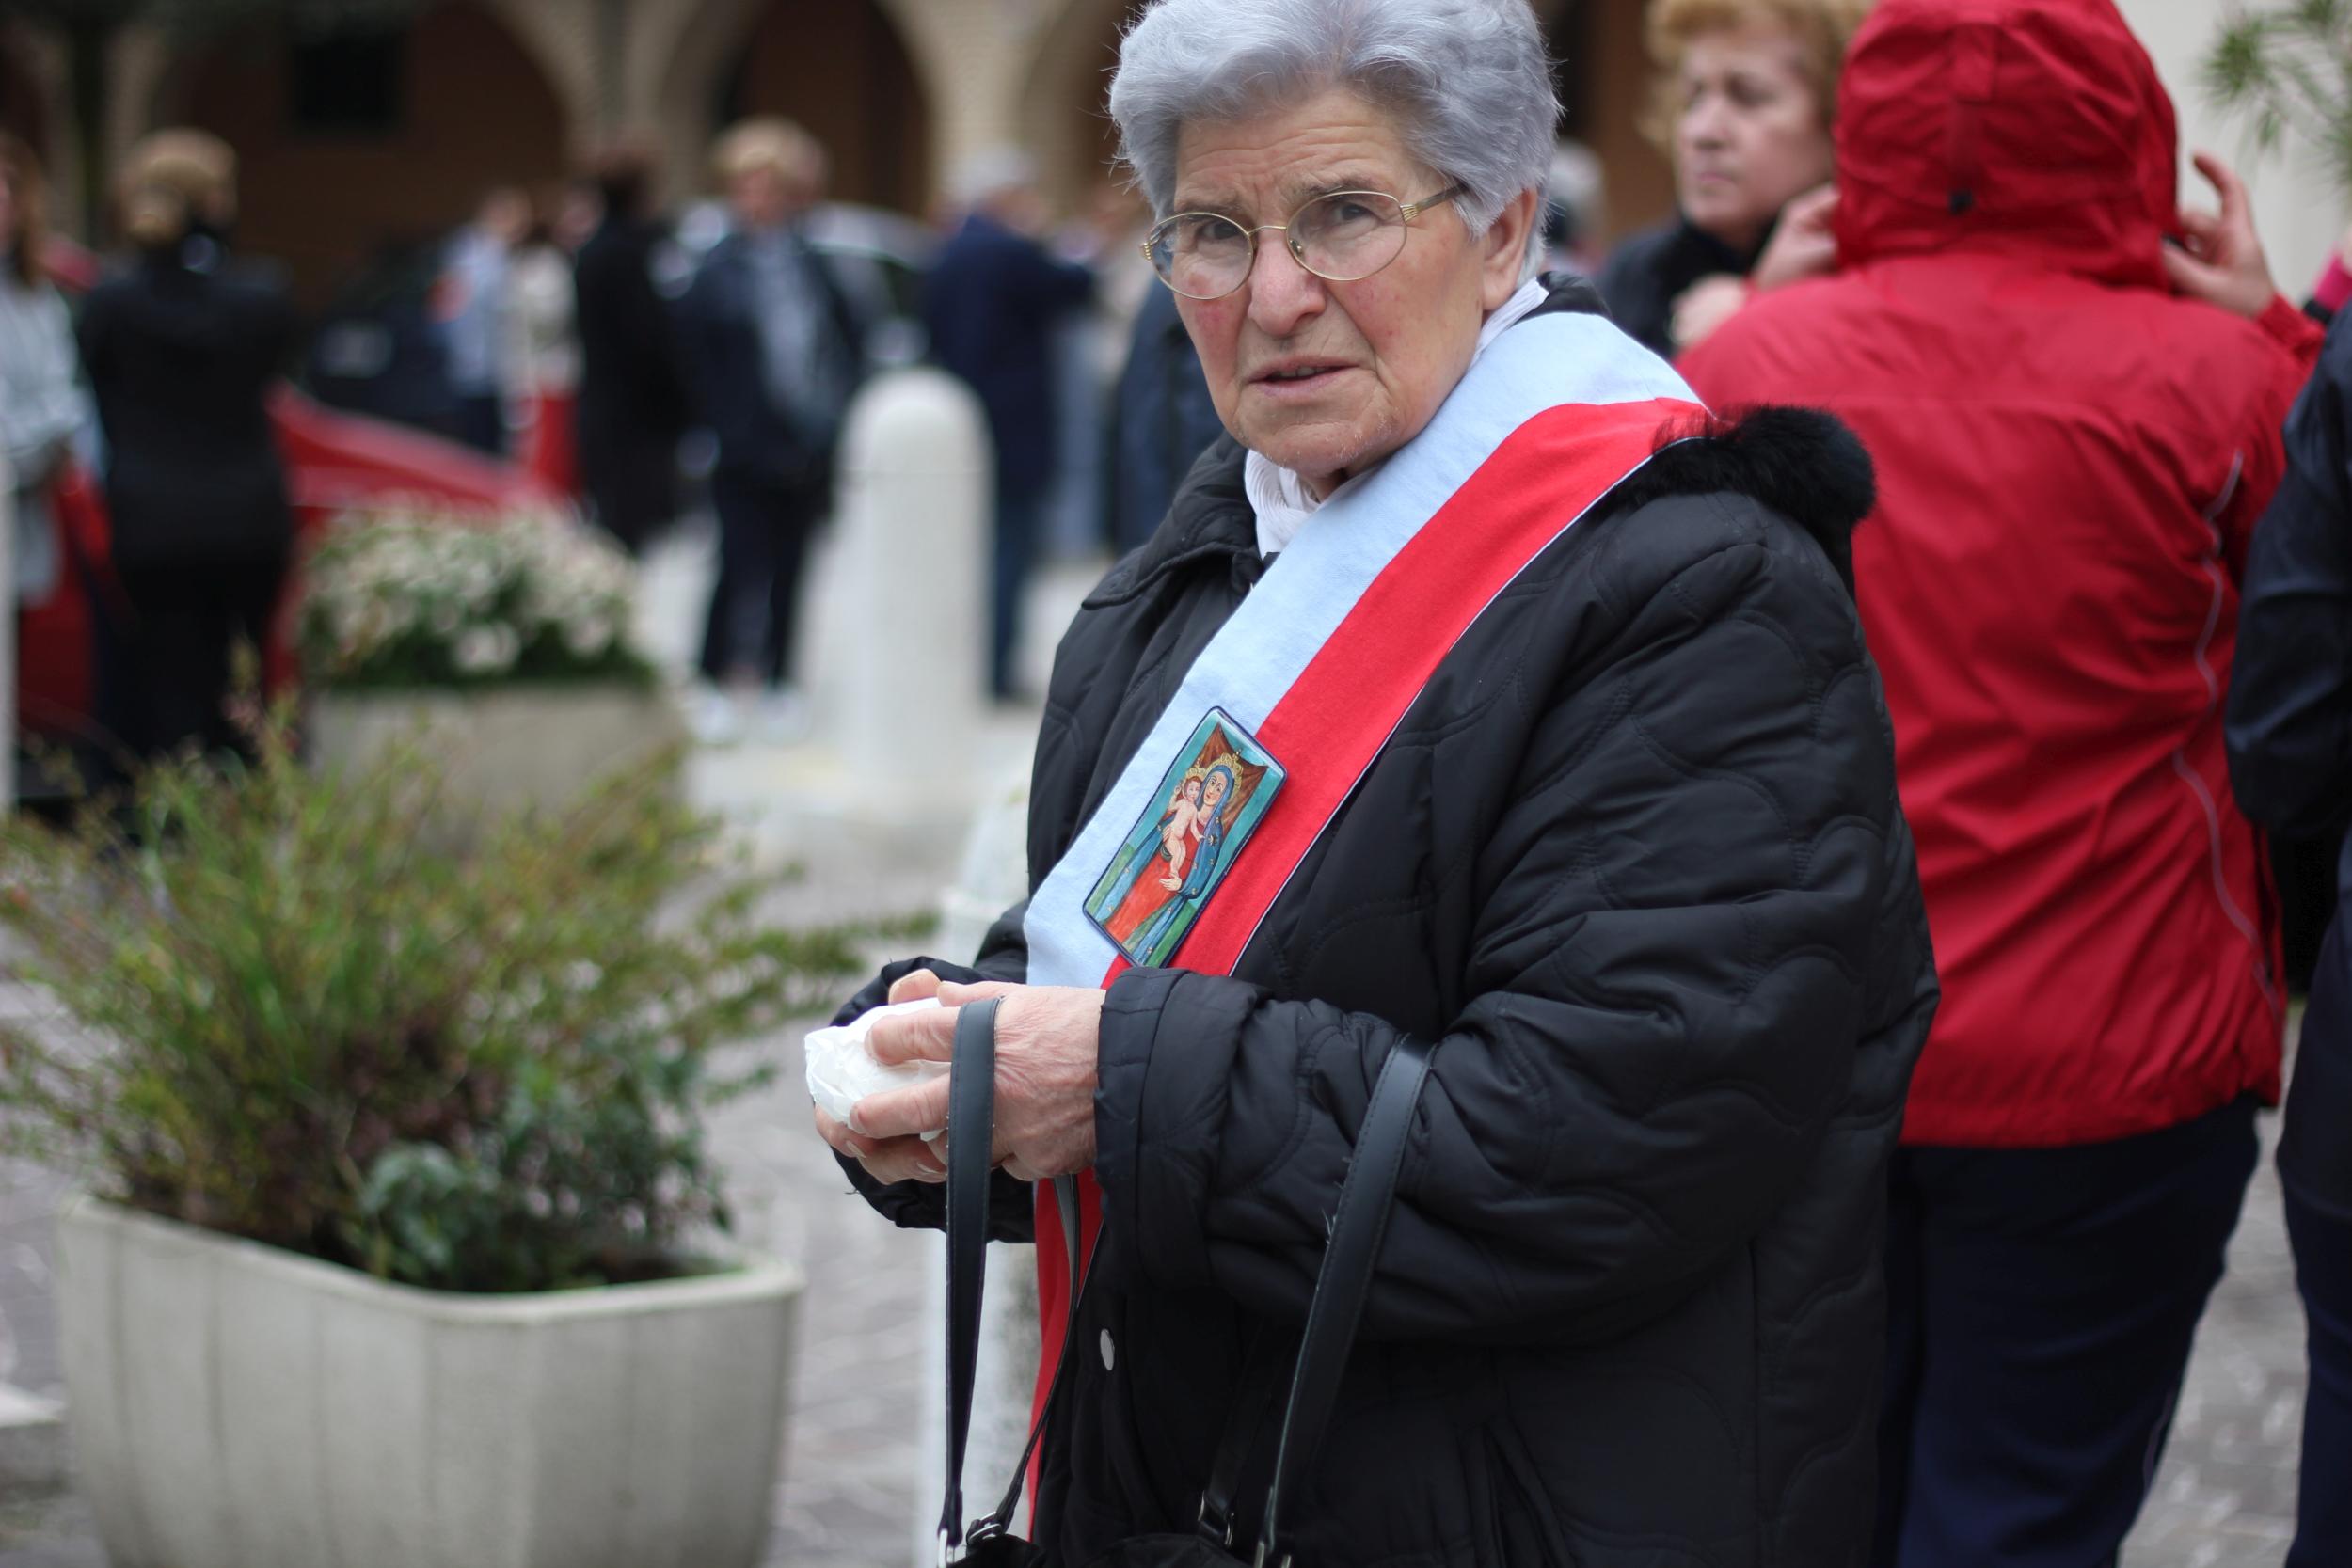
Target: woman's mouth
x=1301, y=378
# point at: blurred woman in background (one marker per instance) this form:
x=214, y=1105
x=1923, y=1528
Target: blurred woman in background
x=181, y=349
x=40, y=407
x=1745, y=98
x=541, y=346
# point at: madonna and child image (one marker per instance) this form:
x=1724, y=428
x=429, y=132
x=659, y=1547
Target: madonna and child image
x=1212, y=798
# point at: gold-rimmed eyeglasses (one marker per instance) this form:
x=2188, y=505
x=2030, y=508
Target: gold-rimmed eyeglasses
x=1339, y=237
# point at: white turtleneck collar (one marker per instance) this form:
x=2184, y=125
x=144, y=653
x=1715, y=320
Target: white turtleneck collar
x=1281, y=500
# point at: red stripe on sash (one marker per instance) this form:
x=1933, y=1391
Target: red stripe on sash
x=1340, y=712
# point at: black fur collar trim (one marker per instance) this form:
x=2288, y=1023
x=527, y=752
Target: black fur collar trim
x=1802, y=463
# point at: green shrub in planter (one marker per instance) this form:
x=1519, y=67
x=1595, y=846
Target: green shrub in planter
x=292, y=1022
x=398, y=600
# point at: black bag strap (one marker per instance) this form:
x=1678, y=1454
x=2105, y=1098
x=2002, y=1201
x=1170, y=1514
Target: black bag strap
x=1365, y=1198
x=1238, y=1450
x=971, y=1148
x=971, y=1106
x=1000, y=1521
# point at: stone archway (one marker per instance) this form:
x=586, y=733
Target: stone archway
x=1063, y=117
x=376, y=140
x=845, y=71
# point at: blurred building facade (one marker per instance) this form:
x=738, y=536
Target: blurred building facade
x=352, y=140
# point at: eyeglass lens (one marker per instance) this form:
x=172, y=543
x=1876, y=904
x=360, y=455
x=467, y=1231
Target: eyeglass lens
x=1341, y=237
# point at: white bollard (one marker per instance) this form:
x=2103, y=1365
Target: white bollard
x=915, y=513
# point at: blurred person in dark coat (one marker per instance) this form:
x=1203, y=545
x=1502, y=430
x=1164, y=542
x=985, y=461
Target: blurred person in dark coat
x=1162, y=419
x=181, y=351
x=993, y=297
x=632, y=398
x=773, y=351
x=2289, y=738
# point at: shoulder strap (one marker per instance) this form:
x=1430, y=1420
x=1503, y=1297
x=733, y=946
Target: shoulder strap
x=971, y=1138
x=1362, y=1219
x=971, y=1106
x=997, y=1523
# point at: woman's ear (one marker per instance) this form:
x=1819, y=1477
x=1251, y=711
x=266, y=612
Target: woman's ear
x=1503, y=250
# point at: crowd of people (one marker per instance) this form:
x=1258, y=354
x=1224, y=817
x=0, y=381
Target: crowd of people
x=743, y=322
x=2108, y=607
x=586, y=335
x=1654, y=836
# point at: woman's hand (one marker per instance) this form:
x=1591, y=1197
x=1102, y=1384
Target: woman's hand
x=2223, y=262
x=1802, y=244
x=1047, y=1040
x=1705, y=306
x=906, y=1158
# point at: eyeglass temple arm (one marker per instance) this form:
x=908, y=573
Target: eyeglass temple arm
x=1411, y=211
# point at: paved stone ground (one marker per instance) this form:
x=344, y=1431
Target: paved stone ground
x=846, y=1499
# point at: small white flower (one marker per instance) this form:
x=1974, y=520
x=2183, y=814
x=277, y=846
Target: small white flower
x=480, y=651
x=589, y=637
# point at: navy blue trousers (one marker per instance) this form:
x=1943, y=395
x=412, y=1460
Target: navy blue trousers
x=2315, y=1170
x=764, y=530
x=2323, y=1271
x=1013, y=550
x=2041, y=1303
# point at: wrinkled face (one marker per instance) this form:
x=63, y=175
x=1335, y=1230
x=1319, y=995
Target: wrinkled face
x=1751, y=134
x=1324, y=378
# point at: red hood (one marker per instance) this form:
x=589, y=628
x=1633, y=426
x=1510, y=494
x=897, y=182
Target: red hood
x=2035, y=128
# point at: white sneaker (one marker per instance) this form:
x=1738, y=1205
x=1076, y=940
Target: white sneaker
x=714, y=717
x=781, y=717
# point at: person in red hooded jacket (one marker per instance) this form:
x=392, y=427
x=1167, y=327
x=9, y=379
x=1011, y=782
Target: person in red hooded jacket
x=2071, y=456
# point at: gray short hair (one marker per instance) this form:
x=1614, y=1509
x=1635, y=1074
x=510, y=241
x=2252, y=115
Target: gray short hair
x=1467, y=79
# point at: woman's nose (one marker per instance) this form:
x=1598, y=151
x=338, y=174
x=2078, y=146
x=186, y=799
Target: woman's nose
x=1283, y=294
x=1706, y=125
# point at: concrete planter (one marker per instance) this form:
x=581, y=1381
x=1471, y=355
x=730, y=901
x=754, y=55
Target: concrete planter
x=233, y=1405
x=502, y=748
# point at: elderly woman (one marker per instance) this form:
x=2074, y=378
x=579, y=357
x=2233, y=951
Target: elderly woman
x=1551, y=743
x=1746, y=93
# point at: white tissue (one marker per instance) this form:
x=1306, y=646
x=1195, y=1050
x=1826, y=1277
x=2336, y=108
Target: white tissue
x=842, y=1072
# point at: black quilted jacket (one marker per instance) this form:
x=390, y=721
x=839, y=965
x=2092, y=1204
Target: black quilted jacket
x=1635, y=859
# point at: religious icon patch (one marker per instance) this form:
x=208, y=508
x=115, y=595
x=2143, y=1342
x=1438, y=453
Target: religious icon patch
x=1211, y=799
